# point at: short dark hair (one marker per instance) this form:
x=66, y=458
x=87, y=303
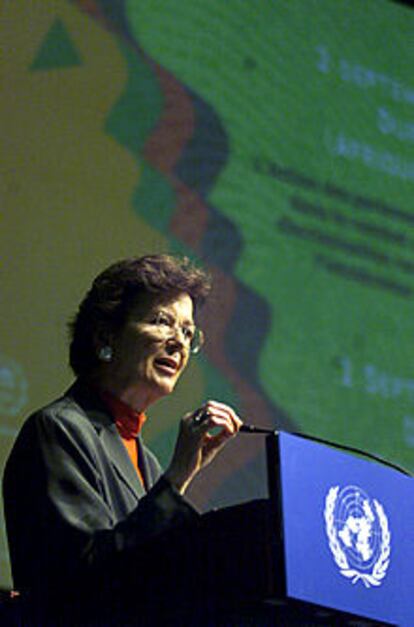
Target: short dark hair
x=118, y=289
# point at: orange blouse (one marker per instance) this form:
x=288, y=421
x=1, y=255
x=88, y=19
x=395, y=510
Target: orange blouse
x=129, y=423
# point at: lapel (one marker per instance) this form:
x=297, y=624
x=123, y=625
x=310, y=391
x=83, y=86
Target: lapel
x=111, y=441
x=144, y=466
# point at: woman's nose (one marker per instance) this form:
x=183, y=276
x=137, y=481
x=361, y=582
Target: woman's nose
x=176, y=338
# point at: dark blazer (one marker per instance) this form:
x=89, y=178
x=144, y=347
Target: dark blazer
x=73, y=500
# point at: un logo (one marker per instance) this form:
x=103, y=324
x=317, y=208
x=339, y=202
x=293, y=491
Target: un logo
x=358, y=534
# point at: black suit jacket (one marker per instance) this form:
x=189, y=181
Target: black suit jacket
x=73, y=500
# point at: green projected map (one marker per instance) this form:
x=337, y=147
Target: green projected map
x=317, y=106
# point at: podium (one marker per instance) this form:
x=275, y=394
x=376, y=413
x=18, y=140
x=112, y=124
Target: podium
x=332, y=545
x=347, y=531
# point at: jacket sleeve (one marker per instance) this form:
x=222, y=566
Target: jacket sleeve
x=60, y=513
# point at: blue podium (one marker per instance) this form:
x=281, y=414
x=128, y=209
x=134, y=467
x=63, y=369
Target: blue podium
x=343, y=531
x=333, y=544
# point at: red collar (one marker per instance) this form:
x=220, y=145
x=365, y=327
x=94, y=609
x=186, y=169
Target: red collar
x=128, y=421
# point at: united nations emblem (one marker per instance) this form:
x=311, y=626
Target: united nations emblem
x=13, y=387
x=358, y=534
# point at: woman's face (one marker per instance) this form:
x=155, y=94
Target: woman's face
x=152, y=349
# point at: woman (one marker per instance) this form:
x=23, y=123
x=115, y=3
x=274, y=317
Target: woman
x=80, y=488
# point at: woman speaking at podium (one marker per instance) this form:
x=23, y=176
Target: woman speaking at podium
x=80, y=487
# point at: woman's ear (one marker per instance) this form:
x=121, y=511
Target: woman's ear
x=105, y=353
x=103, y=340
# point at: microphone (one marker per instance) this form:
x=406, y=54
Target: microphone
x=245, y=428
x=202, y=414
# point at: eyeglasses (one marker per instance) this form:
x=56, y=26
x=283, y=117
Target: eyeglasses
x=166, y=325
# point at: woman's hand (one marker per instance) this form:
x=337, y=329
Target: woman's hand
x=197, y=445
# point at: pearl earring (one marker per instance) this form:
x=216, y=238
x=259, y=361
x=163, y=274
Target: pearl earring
x=105, y=353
